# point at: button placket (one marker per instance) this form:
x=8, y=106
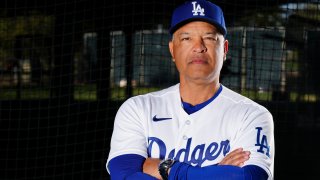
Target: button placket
x=184, y=137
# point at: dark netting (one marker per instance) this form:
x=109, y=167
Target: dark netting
x=67, y=65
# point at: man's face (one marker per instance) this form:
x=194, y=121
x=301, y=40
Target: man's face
x=198, y=50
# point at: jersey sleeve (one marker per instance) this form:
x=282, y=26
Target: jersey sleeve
x=256, y=134
x=181, y=171
x=128, y=135
x=128, y=167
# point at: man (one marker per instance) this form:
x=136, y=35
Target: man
x=197, y=129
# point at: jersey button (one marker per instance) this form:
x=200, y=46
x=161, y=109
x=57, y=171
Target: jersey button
x=188, y=122
x=185, y=137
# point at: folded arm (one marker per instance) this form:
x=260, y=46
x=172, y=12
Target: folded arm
x=132, y=166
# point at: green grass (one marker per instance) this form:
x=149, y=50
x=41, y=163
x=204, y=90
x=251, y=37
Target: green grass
x=31, y=93
x=119, y=93
x=88, y=93
x=85, y=92
x=81, y=92
x=261, y=96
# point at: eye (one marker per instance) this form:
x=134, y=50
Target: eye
x=185, y=38
x=211, y=38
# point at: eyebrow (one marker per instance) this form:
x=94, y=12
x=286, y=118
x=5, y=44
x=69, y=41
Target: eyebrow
x=207, y=33
x=211, y=33
x=183, y=33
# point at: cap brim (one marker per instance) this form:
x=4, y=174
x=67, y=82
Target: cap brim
x=210, y=21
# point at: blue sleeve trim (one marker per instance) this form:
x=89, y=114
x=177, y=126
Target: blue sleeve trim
x=181, y=171
x=128, y=166
x=255, y=172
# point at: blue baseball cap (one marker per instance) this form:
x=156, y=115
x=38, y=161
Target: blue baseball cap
x=198, y=10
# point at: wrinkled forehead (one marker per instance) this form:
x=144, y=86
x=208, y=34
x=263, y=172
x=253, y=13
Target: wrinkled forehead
x=197, y=28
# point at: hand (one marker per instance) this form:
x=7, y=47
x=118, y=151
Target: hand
x=236, y=158
x=150, y=166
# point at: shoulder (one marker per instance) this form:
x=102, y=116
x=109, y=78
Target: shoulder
x=164, y=92
x=242, y=105
x=145, y=99
x=157, y=94
x=235, y=98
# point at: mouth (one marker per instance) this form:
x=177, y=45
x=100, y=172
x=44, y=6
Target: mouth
x=198, y=61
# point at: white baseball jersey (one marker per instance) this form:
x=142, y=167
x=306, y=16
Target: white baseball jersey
x=156, y=125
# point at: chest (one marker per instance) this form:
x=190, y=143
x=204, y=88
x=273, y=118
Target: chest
x=202, y=138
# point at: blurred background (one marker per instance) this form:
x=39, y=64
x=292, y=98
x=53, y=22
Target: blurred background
x=67, y=65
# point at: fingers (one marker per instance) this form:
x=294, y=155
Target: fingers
x=236, y=158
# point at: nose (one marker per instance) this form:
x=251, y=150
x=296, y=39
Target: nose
x=199, y=46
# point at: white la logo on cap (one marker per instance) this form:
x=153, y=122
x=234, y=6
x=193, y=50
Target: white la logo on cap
x=197, y=9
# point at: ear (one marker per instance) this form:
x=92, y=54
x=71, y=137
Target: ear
x=226, y=48
x=171, y=50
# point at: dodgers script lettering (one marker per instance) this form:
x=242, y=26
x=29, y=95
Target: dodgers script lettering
x=195, y=156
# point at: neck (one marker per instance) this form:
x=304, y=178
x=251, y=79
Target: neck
x=198, y=93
